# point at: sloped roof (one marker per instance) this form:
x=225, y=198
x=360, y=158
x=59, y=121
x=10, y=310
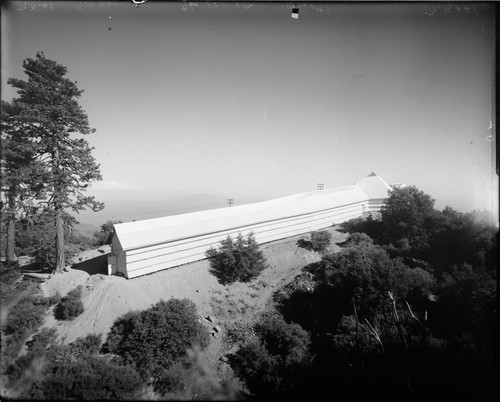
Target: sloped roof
x=160, y=230
x=374, y=186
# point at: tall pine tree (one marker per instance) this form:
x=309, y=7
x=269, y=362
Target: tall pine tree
x=49, y=110
x=22, y=173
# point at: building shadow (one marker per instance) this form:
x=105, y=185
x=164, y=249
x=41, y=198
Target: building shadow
x=93, y=266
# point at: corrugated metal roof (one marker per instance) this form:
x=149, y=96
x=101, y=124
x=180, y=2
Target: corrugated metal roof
x=175, y=227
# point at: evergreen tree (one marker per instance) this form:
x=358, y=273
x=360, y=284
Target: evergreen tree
x=407, y=216
x=48, y=108
x=22, y=173
x=155, y=339
x=236, y=260
x=105, y=234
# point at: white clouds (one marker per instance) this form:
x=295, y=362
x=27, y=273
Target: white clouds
x=110, y=185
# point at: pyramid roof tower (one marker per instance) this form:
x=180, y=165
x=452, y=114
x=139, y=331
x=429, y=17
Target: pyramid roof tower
x=374, y=186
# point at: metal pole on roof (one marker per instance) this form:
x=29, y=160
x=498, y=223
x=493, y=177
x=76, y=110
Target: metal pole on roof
x=230, y=201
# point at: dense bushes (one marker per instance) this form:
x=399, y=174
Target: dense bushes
x=70, y=306
x=105, y=233
x=467, y=303
x=319, y=241
x=376, y=323
x=275, y=360
x=91, y=378
x=32, y=360
x=24, y=317
x=370, y=225
x=406, y=217
x=462, y=238
x=77, y=371
x=367, y=273
x=412, y=309
x=141, y=350
x=458, y=249
x=156, y=338
x=411, y=228
x=9, y=274
x=257, y=367
x=238, y=260
x=192, y=378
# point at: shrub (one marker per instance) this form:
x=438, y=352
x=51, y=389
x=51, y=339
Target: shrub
x=28, y=363
x=90, y=378
x=372, y=225
x=238, y=332
x=70, y=306
x=45, y=256
x=9, y=290
x=23, y=319
x=86, y=346
x=41, y=340
x=75, y=371
x=54, y=299
x=303, y=243
x=253, y=364
x=357, y=240
x=467, y=303
x=366, y=273
x=156, y=338
x=105, y=234
x=10, y=272
x=239, y=260
x=193, y=378
x=290, y=342
x=27, y=315
x=320, y=240
x=276, y=359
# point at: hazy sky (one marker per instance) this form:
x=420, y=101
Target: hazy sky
x=239, y=100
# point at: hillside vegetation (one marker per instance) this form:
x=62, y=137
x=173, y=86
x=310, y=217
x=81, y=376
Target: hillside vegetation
x=399, y=303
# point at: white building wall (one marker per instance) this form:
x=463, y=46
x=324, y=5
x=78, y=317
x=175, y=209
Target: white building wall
x=145, y=260
x=168, y=242
x=376, y=205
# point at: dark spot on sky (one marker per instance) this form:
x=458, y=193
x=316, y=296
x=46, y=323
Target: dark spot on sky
x=359, y=76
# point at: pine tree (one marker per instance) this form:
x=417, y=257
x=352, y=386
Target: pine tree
x=48, y=108
x=22, y=173
x=236, y=260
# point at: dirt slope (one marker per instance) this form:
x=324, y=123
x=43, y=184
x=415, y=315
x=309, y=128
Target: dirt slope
x=105, y=298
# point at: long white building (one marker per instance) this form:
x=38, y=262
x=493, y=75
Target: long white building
x=142, y=247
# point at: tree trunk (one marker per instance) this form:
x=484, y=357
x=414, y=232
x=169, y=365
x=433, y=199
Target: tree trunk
x=10, y=254
x=56, y=169
x=60, y=257
x=11, y=221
